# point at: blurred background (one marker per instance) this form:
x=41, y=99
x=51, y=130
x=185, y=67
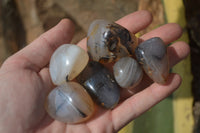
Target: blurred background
x=21, y=21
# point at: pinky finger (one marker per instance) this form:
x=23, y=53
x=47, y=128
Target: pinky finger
x=143, y=101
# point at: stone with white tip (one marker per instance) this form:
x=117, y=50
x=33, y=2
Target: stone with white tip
x=67, y=62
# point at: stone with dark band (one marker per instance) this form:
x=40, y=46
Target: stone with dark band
x=100, y=84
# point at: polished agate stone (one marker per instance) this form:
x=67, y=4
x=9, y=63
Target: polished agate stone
x=108, y=41
x=152, y=55
x=100, y=84
x=69, y=103
x=127, y=72
x=67, y=62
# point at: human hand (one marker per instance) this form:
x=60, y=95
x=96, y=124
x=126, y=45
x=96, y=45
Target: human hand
x=25, y=82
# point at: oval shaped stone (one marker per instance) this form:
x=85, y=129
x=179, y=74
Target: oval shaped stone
x=108, y=41
x=67, y=62
x=69, y=103
x=152, y=55
x=100, y=84
x=127, y=72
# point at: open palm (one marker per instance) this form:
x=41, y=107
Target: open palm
x=25, y=82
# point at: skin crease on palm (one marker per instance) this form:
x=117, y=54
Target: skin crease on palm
x=25, y=82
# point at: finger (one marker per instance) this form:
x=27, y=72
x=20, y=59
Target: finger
x=141, y=102
x=168, y=33
x=38, y=53
x=177, y=52
x=46, y=79
x=134, y=22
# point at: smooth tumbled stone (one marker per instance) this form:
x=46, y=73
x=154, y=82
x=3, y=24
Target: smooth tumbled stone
x=152, y=55
x=69, y=103
x=108, y=41
x=67, y=62
x=100, y=84
x=127, y=72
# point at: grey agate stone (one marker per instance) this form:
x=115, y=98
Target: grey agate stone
x=152, y=55
x=127, y=72
x=100, y=84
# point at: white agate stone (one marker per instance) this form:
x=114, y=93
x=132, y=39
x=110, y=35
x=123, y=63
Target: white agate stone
x=69, y=103
x=67, y=62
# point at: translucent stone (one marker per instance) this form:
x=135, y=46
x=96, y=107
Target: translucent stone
x=67, y=62
x=152, y=55
x=127, y=72
x=108, y=41
x=101, y=85
x=69, y=103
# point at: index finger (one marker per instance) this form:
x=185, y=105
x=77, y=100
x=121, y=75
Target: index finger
x=36, y=55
